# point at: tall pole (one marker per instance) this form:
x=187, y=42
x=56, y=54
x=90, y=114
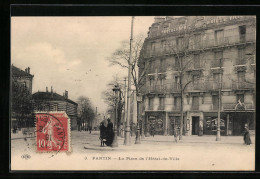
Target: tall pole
x=127, y=129
x=219, y=100
x=115, y=144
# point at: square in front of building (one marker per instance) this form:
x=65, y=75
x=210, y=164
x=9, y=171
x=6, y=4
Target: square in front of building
x=52, y=131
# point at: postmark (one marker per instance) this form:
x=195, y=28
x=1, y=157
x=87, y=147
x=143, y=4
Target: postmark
x=52, y=132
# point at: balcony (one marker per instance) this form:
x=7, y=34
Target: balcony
x=242, y=86
x=173, y=88
x=216, y=63
x=196, y=87
x=161, y=107
x=157, y=89
x=234, y=106
x=176, y=108
x=214, y=86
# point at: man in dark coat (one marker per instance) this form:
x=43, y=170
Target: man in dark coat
x=109, y=133
x=102, y=137
x=247, y=139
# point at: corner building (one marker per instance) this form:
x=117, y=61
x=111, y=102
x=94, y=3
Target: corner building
x=217, y=55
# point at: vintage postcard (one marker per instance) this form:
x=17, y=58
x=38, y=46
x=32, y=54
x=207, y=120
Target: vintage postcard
x=99, y=93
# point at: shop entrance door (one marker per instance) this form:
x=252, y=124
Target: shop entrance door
x=195, y=125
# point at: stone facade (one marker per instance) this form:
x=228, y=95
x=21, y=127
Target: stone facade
x=207, y=54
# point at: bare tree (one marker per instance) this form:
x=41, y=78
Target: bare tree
x=121, y=57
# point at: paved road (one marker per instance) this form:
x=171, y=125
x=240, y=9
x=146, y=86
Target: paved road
x=159, y=152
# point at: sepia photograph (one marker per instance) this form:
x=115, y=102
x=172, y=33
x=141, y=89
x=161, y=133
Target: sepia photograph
x=133, y=93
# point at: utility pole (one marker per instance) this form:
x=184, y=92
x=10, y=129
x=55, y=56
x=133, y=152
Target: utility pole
x=127, y=129
x=219, y=99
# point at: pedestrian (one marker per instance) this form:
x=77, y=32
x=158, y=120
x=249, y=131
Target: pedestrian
x=247, y=139
x=176, y=134
x=102, y=136
x=109, y=133
x=152, y=130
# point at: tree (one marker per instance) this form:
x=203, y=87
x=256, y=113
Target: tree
x=109, y=98
x=181, y=49
x=21, y=105
x=121, y=57
x=86, y=111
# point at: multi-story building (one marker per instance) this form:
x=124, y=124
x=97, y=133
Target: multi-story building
x=191, y=63
x=23, y=77
x=51, y=101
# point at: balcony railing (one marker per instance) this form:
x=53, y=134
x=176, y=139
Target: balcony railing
x=242, y=86
x=234, y=106
x=155, y=89
x=216, y=63
x=196, y=87
x=240, y=61
x=161, y=107
x=173, y=88
x=212, y=85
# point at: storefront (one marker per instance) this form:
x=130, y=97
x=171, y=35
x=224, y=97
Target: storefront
x=211, y=122
x=155, y=121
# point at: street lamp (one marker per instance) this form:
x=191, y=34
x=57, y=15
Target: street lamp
x=139, y=99
x=116, y=90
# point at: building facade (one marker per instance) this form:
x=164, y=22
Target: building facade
x=199, y=64
x=51, y=101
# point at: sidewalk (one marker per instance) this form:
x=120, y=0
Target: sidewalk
x=165, y=142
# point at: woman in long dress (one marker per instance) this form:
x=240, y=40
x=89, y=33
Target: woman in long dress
x=247, y=139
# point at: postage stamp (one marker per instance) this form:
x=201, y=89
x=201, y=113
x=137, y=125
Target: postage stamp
x=52, y=131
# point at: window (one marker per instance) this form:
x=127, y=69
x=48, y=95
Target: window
x=151, y=70
x=195, y=102
x=196, y=61
x=241, y=56
x=180, y=43
x=162, y=65
x=219, y=37
x=177, y=82
x=197, y=41
x=178, y=62
x=242, y=33
x=152, y=48
x=195, y=81
x=215, y=102
x=161, y=102
x=150, y=102
x=240, y=97
x=218, y=59
x=55, y=107
x=241, y=79
x=177, y=102
x=163, y=46
x=216, y=80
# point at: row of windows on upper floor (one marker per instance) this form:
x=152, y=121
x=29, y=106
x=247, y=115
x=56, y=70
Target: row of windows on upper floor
x=199, y=41
x=195, y=61
x=195, y=104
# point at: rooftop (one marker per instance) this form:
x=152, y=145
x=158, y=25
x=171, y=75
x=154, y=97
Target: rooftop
x=18, y=72
x=51, y=96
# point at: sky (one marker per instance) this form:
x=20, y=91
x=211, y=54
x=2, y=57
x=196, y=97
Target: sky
x=70, y=53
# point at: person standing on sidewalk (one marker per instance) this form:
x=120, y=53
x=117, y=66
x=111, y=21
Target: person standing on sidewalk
x=247, y=139
x=176, y=134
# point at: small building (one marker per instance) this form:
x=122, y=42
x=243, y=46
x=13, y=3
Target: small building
x=51, y=101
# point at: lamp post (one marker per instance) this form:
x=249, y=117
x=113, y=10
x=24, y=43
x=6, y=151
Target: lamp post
x=116, y=90
x=219, y=99
x=127, y=129
x=139, y=99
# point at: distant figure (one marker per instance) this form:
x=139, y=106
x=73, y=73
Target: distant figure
x=200, y=130
x=247, y=139
x=176, y=134
x=102, y=137
x=90, y=129
x=152, y=130
x=109, y=133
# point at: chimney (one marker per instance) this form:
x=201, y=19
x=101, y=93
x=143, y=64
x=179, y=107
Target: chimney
x=51, y=92
x=66, y=94
x=28, y=70
x=46, y=89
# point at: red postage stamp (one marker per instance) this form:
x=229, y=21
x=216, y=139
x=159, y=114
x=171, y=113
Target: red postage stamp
x=52, y=131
